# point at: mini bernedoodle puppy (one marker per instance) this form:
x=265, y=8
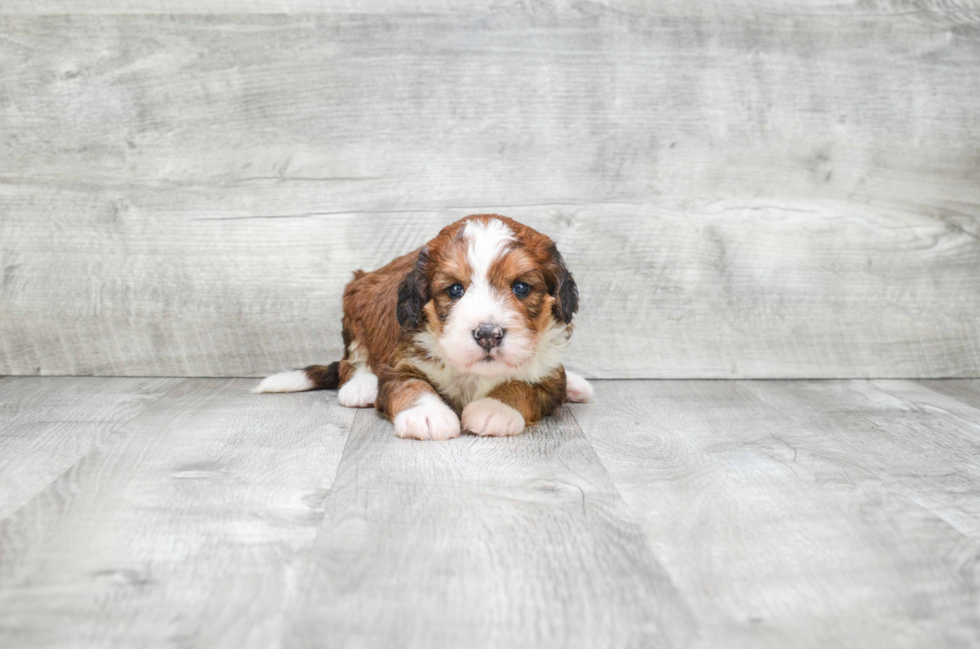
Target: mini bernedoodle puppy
x=470, y=326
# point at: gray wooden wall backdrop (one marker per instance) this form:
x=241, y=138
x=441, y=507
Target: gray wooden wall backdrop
x=754, y=188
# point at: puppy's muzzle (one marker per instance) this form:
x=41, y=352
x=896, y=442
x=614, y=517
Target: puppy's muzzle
x=488, y=335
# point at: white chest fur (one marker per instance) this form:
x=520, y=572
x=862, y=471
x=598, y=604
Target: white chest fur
x=462, y=388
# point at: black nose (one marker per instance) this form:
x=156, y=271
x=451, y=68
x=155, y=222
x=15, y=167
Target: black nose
x=488, y=336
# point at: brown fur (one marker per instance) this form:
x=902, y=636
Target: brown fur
x=533, y=401
x=399, y=388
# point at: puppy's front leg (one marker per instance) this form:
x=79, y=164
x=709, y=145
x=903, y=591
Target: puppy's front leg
x=513, y=405
x=415, y=409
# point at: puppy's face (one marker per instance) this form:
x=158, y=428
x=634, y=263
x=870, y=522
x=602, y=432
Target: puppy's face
x=486, y=295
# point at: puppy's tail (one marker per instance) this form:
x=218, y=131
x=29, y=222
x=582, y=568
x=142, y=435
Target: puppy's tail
x=314, y=377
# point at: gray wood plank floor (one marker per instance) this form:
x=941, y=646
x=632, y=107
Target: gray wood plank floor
x=188, y=512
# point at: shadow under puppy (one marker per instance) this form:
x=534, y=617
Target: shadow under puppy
x=470, y=326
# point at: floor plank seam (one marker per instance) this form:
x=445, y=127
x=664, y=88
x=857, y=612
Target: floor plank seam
x=612, y=480
x=305, y=562
x=630, y=515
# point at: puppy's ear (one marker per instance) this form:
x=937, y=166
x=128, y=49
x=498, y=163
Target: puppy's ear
x=413, y=294
x=562, y=287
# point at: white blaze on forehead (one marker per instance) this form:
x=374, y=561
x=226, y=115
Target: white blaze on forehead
x=487, y=241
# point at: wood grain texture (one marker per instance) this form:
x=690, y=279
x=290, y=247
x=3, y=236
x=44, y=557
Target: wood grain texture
x=482, y=542
x=918, y=443
x=47, y=425
x=739, y=194
x=187, y=527
x=794, y=514
x=784, y=514
x=956, y=11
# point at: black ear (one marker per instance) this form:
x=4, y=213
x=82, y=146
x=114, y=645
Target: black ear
x=413, y=294
x=563, y=288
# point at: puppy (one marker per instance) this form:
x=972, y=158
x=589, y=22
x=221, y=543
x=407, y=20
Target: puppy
x=470, y=326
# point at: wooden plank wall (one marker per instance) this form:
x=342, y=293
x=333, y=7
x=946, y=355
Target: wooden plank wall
x=756, y=188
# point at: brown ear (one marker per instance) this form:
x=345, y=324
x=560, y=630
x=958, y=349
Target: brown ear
x=562, y=287
x=413, y=294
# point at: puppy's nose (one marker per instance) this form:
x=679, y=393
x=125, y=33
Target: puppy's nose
x=488, y=336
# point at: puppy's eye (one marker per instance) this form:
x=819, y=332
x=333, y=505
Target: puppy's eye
x=521, y=289
x=456, y=291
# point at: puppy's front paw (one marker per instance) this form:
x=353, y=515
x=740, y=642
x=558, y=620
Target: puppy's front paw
x=491, y=417
x=360, y=391
x=577, y=389
x=429, y=418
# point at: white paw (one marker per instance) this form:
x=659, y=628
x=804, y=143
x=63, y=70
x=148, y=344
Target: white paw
x=360, y=391
x=429, y=418
x=577, y=389
x=295, y=381
x=491, y=417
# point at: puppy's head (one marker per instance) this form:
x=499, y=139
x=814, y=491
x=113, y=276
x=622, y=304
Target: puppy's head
x=488, y=296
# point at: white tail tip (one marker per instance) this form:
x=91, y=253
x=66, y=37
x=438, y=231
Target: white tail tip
x=294, y=381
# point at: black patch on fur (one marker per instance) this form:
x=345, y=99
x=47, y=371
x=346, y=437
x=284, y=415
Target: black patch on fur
x=324, y=377
x=413, y=294
x=563, y=288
